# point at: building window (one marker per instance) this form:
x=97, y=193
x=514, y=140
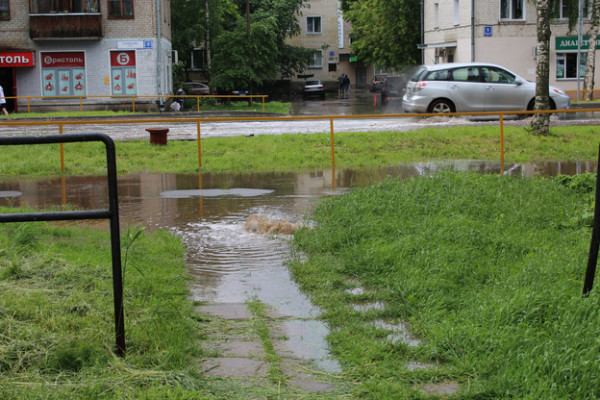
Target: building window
x=63, y=74
x=123, y=73
x=313, y=25
x=199, y=59
x=120, y=8
x=62, y=6
x=317, y=60
x=436, y=15
x=4, y=10
x=456, y=13
x=512, y=9
x=566, y=65
x=562, y=8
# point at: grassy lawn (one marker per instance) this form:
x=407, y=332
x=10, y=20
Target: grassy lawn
x=485, y=272
x=272, y=106
x=305, y=152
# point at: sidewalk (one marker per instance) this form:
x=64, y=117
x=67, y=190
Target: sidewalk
x=254, y=350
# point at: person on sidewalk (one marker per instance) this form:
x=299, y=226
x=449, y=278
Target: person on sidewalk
x=3, y=102
x=180, y=100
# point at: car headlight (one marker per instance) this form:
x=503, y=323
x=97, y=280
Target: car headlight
x=558, y=91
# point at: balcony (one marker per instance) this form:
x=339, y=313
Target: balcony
x=57, y=26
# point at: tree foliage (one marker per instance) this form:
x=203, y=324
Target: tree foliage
x=242, y=60
x=385, y=32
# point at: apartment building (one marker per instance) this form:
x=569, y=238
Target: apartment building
x=53, y=49
x=502, y=32
x=325, y=30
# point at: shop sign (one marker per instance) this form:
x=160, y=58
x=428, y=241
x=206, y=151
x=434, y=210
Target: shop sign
x=17, y=59
x=570, y=43
x=63, y=60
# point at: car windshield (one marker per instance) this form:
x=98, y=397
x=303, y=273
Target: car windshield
x=311, y=83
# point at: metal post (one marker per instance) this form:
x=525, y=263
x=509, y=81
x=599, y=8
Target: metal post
x=332, y=155
x=593, y=256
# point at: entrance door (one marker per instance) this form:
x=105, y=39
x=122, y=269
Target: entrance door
x=7, y=80
x=361, y=77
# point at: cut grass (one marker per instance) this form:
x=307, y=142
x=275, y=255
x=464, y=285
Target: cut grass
x=305, y=152
x=486, y=271
x=57, y=321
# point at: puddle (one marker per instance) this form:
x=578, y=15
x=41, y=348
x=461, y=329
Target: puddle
x=229, y=263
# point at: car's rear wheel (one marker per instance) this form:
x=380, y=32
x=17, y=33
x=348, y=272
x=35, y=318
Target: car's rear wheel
x=441, y=106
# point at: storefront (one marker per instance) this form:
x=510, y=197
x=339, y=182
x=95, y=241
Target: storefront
x=566, y=57
x=10, y=61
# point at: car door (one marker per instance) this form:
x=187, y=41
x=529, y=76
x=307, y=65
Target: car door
x=466, y=90
x=503, y=91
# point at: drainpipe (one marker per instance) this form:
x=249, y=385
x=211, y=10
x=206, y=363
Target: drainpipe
x=422, y=31
x=158, y=53
x=472, y=30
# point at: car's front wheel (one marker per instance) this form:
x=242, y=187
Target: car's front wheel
x=441, y=106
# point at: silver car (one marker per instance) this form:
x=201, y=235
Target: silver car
x=472, y=87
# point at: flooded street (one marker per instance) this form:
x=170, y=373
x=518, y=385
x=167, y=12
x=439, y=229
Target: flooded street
x=209, y=211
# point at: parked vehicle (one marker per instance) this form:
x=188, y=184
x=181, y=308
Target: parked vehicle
x=377, y=83
x=196, y=88
x=313, y=88
x=392, y=88
x=473, y=87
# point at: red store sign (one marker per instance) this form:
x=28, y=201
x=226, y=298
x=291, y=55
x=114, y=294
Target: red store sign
x=17, y=59
x=122, y=58
x=63, y=60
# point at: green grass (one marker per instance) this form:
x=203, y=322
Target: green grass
x=304, y=152
x=271, y=106
x=57, y=321
x=486, y=271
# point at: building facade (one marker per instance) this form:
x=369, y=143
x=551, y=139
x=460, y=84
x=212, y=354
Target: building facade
x=52, y=52
x=502, y=32
x=326, y=32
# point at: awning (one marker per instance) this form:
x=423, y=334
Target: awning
x=436, y=45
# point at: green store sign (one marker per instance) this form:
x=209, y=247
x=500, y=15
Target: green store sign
x=570, y=43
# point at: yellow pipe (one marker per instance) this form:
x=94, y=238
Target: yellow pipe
x=332, y=154
x=199, y=145
x=62, y=150
x=501, y=144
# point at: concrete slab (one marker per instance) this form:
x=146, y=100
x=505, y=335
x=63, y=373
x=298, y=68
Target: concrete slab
x=239, y=348
x=228, y=311
x=439, y=389
x=234, y=367
x=310, y=385
x=302, y=378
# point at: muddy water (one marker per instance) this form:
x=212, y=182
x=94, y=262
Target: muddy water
x=209, y=211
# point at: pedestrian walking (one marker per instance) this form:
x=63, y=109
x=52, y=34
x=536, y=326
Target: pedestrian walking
x=3, y=102
x=346, y=84
x=341, y=83
x=180, y=100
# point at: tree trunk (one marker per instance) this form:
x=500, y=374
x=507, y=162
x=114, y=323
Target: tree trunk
x=590, y=66
x=540, y=123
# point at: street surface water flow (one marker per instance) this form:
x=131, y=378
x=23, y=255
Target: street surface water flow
x=209, y=212
x=360, y=103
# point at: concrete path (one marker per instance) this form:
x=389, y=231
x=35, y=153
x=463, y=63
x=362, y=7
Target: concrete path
x=237, y=351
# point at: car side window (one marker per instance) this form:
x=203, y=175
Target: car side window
x=466, y=74
x=497, y=75
x=442, y=75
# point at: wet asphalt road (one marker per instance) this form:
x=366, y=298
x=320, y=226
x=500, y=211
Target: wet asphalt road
x=359, y=112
